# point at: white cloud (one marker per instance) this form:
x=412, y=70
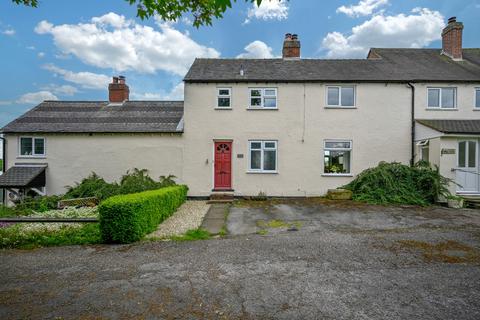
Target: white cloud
x=175, y=94
x=65, y=90
x=111, y=41
x=36, y=97
x=416, y=30
x=268, y=10
x=87, y=80
x=41, y=54
x=31, y=48
x=363, y=8
x=9, y=32
x=257, y=49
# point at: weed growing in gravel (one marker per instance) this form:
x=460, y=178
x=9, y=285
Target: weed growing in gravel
x=447, y=252
x=192, y=235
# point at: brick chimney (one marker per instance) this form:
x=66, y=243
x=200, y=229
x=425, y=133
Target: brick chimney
x=118, y=90
x=452, y=39
x=291, y=47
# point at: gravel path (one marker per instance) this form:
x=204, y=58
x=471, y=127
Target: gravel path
x=189, y=216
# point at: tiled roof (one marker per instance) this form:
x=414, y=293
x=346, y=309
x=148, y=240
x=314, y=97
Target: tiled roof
x=392, y=65
x=453, y=126
x=100, y=116
x=21, y=176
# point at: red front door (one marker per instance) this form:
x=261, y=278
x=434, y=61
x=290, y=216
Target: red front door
x=223, y=165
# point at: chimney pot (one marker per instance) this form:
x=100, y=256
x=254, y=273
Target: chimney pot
x=118, y=91
x=452, y=39
x=291, y=47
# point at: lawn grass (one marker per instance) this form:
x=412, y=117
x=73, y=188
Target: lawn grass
x=15, y=237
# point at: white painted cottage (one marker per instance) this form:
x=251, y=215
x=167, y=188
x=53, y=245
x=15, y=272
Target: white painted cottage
x=285, y=127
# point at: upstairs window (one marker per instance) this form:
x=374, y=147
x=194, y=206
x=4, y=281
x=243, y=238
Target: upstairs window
x=337, y=155
x=477, y=98
x=32, y=147
x=443, y=98
x=263, y=156
x=341, y=96
x=224, y=98
x=263, y=98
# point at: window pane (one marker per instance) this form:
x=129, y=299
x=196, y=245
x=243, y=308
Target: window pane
x=425, y=154
x=269, y=160
x=337, y=162
x=270, y=103
x=269, y=144
x=472, y=146
x=269, y=92
x=433, y=97
x=256, y=93
x=39, y=146
x=256, y=102
x=348, y=96
x=337, y=144
x=255, y=159
x=255, y=145
x=26, y=146
x=223, y=92
x=461, y=154
x=333, y=96
x=477, y=98
x=224, y=102
x=448, y=98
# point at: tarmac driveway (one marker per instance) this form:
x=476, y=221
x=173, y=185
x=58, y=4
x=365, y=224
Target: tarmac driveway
x=346, y=261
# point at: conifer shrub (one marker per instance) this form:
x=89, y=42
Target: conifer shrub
x=128, y=218
x=396, y=183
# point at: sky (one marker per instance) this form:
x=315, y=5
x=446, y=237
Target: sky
x=69, y=50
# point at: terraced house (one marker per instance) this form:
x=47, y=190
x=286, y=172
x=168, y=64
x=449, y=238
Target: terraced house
x=285, y=127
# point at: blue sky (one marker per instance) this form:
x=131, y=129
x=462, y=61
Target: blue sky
x=68, y=50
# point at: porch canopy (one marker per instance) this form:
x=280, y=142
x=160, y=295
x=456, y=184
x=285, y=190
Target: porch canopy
x=451, y=126
x=23, y=176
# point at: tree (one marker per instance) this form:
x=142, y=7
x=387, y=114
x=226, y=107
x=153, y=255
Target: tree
x=203, y=11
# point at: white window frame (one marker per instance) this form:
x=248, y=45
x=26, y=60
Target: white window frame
x=229, y=96
x=440, y=98
x=262, y=151
x=346, y=174
x=262, y=98
x=339, y=105
x=33, y=155
x=475, y=101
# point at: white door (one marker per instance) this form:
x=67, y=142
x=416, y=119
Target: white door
x=467, y=166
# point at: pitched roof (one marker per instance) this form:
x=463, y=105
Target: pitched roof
x=396, y=65
x=453, y=126
x=100, y=116
x=23, y=176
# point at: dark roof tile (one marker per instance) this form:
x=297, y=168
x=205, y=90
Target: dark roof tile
x=100, y=116
x=453, y=126
x=394, y=65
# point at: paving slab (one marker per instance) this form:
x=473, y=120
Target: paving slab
x=214, y=221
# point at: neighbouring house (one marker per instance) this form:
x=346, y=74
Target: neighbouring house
x=285, y=127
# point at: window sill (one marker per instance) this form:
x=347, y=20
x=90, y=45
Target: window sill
x=441, y=109
x=31, y=157
x=339, y=107
x=337, y=175
x=261, y=172
x=256, y=109
x=476, y=109
x=225, y=108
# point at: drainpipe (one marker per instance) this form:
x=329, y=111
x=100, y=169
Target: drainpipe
x=412, y=159
x=4, y=166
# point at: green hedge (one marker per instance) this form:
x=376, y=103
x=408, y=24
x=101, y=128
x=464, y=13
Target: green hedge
x=128, y=218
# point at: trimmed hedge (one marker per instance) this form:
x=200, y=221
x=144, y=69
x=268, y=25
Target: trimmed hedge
x=128, y=218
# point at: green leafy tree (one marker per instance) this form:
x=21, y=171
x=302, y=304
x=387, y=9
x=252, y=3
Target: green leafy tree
x=203, y=11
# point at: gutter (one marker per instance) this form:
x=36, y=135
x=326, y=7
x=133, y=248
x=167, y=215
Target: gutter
x=4, y=165
x=412, y=159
